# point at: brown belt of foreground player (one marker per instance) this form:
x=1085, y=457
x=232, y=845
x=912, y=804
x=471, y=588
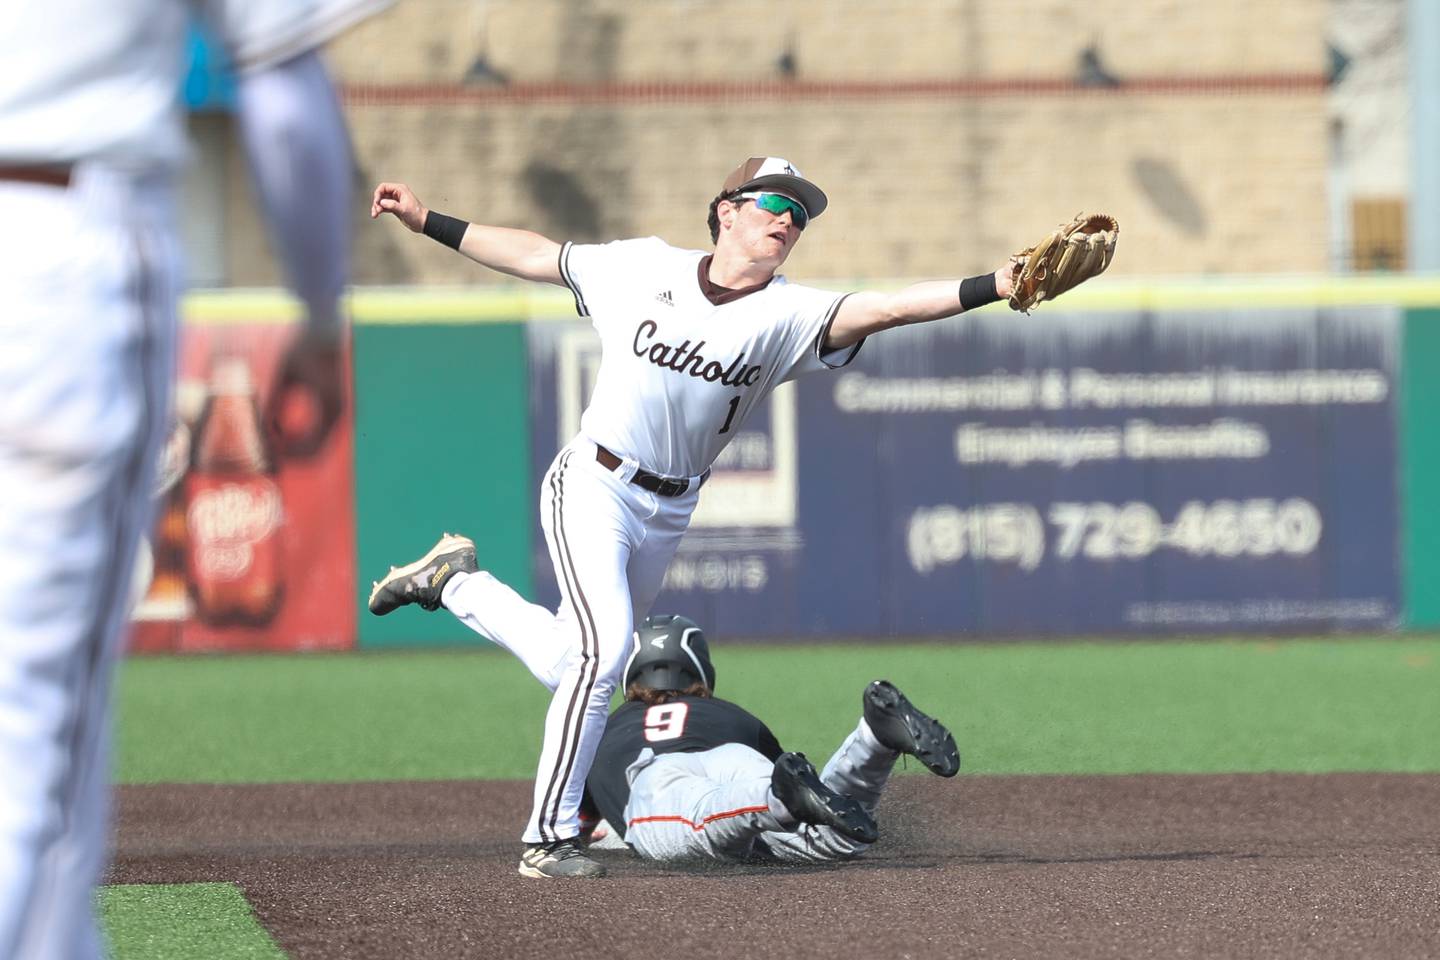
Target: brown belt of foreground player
x=644, y=479
x=45, y=176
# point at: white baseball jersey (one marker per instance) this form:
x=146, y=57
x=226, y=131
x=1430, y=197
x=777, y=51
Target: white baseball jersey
x=684, y=363
x=100, y=79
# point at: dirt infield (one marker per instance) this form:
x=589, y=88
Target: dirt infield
x=1278, y=866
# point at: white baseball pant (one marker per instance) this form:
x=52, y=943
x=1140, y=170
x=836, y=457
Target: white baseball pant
x=610, y=542
x=87, y=331
x=715, y=804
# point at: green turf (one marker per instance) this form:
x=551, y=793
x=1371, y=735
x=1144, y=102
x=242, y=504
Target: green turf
x=1182, y=706
x=182, y=922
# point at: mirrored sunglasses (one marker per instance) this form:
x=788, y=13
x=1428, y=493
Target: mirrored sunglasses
x=777, y=204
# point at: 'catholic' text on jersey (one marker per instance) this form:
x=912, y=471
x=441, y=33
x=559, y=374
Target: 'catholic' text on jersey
x=689, y=360
x=732, y=347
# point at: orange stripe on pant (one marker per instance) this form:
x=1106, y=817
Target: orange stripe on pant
x=676, y=818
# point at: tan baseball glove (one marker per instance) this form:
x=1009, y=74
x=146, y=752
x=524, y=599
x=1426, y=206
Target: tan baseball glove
x=1074, y=253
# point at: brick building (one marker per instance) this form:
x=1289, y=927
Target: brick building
x=943, y=136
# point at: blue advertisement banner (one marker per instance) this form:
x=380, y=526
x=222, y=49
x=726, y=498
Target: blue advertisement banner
x=1075, y=474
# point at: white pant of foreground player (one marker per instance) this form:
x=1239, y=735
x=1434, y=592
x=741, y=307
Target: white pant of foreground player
x=610, y=542
x=86, y=355
x=715, y=804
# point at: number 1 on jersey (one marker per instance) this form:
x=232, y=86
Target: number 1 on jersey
x=730, y=417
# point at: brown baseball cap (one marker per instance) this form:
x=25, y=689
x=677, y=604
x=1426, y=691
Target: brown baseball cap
x=780, y=175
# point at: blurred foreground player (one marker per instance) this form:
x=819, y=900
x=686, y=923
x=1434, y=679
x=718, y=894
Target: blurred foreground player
x=92, y=141
x=682, y=775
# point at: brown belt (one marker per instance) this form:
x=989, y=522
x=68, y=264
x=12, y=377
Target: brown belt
x=644, y=479
x=46, y=176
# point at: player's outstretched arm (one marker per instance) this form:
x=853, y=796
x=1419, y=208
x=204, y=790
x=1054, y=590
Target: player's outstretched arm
x=870, y=311
x=298, y=150
x=520, y=253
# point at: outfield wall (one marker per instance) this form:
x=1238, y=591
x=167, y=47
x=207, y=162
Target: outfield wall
x=1245, y=456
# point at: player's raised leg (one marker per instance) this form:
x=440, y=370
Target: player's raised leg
x=599, y=526
x=448, y=575
x=890, y=726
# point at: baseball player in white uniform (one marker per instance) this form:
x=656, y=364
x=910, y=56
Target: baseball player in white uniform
x=692, y=342
x=91, y=141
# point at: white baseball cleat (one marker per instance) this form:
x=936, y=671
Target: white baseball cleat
x=561, y=859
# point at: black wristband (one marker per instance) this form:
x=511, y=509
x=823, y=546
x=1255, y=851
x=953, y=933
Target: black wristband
x=977, y=291
x=447, y=230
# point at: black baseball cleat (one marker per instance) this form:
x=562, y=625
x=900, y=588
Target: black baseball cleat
x=799, y=788
x=421, y=582
x=898, y=724
x=561, y=859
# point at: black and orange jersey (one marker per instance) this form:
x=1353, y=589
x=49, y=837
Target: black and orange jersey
x=685, y=725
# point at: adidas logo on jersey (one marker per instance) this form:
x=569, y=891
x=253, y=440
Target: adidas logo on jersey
x=664, y=297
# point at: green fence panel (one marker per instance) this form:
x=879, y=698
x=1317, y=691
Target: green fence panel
x=442, y=444
x=1420, y=402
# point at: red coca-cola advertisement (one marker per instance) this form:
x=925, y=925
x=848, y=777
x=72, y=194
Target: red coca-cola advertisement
x=251, y=550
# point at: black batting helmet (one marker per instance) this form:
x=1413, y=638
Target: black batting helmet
x=670, y=653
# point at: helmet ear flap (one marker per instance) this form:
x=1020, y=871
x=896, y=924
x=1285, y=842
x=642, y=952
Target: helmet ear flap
x=694, y=643
x=628, y=675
